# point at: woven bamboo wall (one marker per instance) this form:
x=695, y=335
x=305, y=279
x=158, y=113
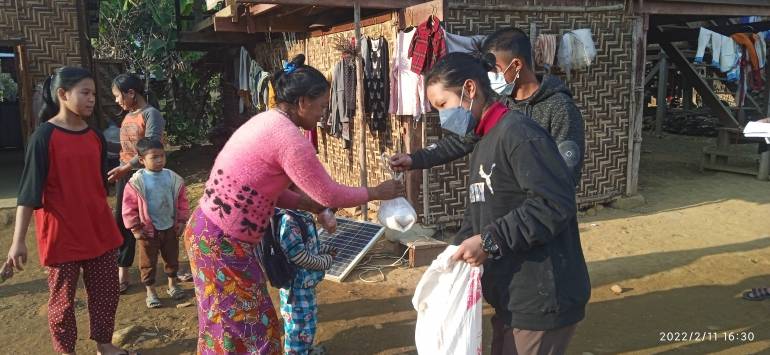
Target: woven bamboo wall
x=603, y=93
x=344, y=164
x=49, y=29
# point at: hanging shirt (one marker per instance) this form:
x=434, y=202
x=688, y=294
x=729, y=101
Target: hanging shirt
x=65, y=181
x=342, y=104
x=407, y=89
x=377, y=83
x=463, y=44
x=427, y=46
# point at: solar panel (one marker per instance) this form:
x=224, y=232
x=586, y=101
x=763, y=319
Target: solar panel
x=353, y=239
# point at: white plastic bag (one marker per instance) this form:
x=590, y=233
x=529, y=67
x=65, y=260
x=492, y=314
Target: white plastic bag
x=448, y=305
x=397, y=214
x=577, y=50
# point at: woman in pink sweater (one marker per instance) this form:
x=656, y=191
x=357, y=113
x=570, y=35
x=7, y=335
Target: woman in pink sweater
x=249, y=179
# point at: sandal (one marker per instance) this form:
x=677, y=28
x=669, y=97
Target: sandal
x=153, y=302
x=185, y=277
x=756, y=294
x=124, y=286
x=176, y=293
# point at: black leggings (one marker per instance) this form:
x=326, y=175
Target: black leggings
x=127, y=250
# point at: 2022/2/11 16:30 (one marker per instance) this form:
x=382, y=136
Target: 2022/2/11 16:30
x=695, y=336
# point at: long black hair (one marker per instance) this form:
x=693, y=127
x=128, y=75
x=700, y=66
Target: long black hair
x=298, y=80
x=455, y=68
x=63, y=78
x=127, y=82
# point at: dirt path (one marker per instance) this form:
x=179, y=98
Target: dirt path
x=684, y=258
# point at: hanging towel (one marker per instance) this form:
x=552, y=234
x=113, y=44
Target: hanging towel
x=746, y=40
x=463, y=44
x=761, y=47
x=729, y=58
x=545, y=50
x=708, y=38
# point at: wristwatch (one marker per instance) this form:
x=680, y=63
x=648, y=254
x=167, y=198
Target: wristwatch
x=488, y=244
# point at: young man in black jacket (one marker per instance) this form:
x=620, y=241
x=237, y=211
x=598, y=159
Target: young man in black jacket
x=520, y=220
x=547, y=101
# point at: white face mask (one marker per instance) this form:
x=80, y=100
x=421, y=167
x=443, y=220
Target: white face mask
x=499, y=84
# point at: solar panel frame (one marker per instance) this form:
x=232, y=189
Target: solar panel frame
x=353, y=239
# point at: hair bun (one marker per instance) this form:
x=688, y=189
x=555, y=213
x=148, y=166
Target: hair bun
x=298, y=60
x=488, y=61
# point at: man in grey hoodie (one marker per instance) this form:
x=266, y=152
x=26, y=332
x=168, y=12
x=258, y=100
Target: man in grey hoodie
x=547, y=101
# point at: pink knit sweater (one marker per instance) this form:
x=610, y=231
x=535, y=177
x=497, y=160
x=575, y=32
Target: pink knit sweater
x=253, y=171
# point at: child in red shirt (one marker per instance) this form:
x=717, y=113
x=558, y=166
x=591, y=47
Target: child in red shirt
x=64, y=184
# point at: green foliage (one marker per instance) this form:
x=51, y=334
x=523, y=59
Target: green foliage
x=143, y=34
x=8, y=88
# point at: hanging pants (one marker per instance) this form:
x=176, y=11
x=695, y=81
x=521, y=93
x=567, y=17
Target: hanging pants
x=100, y=276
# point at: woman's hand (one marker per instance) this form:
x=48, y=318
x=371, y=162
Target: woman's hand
x=328, y=221
x=388, y=190
x=118, y=173
x=17, y=256
x=400, y=162
x=471, y=252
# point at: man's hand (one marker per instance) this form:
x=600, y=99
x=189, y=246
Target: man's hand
x=471, y=252
x=118, y=173
x=400, y=162
x=179, y=228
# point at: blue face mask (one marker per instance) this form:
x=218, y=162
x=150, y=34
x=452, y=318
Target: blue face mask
x=499, y=84
x=457, y=119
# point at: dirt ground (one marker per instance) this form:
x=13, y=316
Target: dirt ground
x=683, y=260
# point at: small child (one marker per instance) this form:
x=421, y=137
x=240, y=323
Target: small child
x=155, y=209
x=299, y=240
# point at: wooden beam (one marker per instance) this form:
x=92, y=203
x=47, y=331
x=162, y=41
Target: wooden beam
x=726, y=117
x=216, y=38
x=652, y=74
x=370, y=4
x=266, y=24
x=360, y=105
x=692, y=34
x=664, y=7
x=203, y=24
x=660, y=111
x=371, y=21
x=261, y=9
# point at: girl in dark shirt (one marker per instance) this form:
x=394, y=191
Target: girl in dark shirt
x=64, y=184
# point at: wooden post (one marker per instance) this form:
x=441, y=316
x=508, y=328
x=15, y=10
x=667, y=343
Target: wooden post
x=638, y=83
x=661, y=99
x=360, y=103
x=767, y=87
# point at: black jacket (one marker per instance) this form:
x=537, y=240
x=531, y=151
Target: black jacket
x=521, y=192
x=551, y=106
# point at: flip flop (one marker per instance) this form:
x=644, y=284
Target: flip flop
x=756, y=294
x=177, y=293
x=153, y=302
x=124, y=286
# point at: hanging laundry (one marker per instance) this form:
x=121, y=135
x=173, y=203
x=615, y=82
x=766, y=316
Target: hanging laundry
x=376, y=82
x=427, y=46
x=255, y=73
x=463, y=44
x=244, y=64
x=545, y=50
x=342, y=106
x=709, y=39
x=261, y=96
x=407, y=89
x=748, y=42
x=729, y=58
x=577, y=50
x=761, y=47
